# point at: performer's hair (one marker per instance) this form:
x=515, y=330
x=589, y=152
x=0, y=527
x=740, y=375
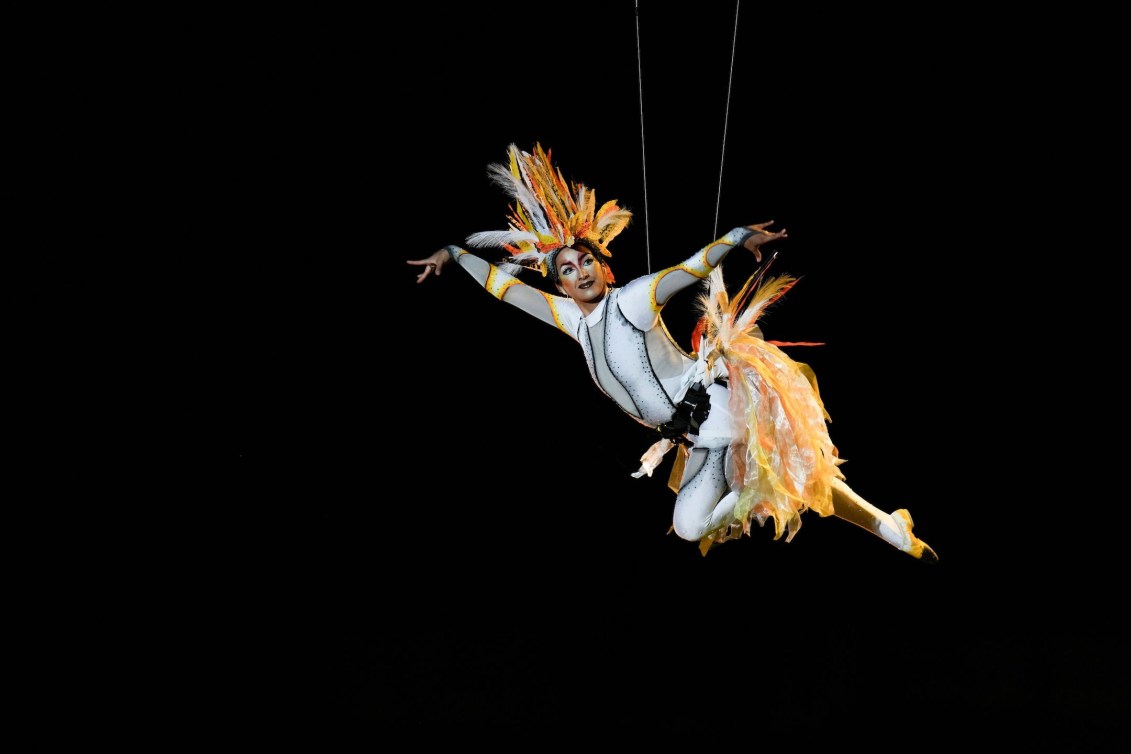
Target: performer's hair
x=578, y=244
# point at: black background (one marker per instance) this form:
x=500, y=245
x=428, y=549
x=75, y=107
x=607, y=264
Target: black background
x=416, y=506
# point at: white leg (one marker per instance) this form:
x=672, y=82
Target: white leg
x=704, y=503
x=893, y=528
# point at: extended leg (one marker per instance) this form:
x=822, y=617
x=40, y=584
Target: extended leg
x=893, y=528
x=704, y=503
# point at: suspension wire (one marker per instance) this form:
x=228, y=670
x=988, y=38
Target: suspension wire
x=643, y=160
x=726, y=119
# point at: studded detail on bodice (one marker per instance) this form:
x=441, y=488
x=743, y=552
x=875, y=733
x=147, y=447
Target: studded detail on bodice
x=639, y=370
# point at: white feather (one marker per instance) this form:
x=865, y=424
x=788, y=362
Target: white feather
x=533, y=210
x=498, y=238
x=526, y=195
x=502, y=176
x=747, y=318
x=619, y=215
x=515, y=188
x=716, y=282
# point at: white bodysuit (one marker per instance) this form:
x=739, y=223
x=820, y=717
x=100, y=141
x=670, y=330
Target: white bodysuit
x=635, y=362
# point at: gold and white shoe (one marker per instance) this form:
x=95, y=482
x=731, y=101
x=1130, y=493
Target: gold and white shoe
x=912, y=545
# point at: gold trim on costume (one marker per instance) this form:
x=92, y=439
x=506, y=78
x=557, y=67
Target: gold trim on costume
x=498, y=282
x=551, y=301
x=701, y=267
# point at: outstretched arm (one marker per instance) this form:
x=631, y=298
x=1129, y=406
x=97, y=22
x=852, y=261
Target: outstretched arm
x=644, y=297
x=675, y=279
x=503, y=286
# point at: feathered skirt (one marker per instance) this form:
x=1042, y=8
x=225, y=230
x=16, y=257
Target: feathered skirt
x=781, y=460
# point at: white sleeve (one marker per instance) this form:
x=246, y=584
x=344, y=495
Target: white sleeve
x=559, y=311
x=643, y=298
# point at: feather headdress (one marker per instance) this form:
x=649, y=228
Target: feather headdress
x=548, y=213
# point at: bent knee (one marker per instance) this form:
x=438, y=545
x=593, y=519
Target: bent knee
x=689, y=526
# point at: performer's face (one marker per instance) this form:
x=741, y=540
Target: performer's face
x=581, y=276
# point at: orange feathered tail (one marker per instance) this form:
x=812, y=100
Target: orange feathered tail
x=783, y=460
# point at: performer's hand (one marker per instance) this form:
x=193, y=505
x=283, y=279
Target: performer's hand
x=432, y=264
x=762, y=236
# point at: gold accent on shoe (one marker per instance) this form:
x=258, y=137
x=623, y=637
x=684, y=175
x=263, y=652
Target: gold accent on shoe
x=913, y=546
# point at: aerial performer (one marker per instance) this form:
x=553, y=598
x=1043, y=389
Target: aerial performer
x=747, y=420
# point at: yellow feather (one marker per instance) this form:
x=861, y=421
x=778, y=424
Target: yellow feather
x=568, y=209
x=606, y=208
x=588, y=202
x=767, y=293
x=614, y=228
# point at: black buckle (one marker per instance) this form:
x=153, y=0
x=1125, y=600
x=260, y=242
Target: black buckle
x=690, y=414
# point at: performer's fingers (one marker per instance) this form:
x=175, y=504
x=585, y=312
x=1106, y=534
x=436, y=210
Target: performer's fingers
x=429, y=267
